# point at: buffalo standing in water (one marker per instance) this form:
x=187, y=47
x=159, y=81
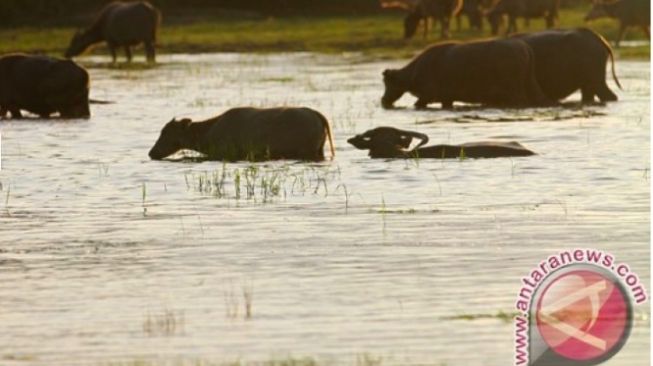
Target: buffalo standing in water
x=568, y=60
x=522, y=8
x=43, y=85
x=496, y=72
x=249, y=134
x=391, y=143
x=120, y=25
x=631, y=13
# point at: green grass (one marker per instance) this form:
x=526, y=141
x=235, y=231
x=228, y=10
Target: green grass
x=374, y=35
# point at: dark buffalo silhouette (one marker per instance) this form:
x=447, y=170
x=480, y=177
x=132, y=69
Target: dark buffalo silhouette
x=249, y=134
x=120, y=25
x=390, y=142
x=496, y=72
x=527, y=9
x=568, y=60
x=630, y=13
x=43, y=86
x=473, y=10
x=439, y=10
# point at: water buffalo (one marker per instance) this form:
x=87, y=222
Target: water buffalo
x=120, y=25
x=389, y=143
x=568, y=60
x=43, y=85
x=496, y=72
x=522, y=8
x=439, y=10
x=421, y=11
x=249, y=134
x=630, y=13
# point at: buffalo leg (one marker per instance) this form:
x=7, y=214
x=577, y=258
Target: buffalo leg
x=587, y=95
x=426, y=27
x=444, y=24
x=112, y=50
x=447, y=104
x=128, y=53
x=3, y=112
x=15, y=113
x=150, y=51
x=421, y=104
x=622, y=31
x=512, y=24
x=550, y=20
x=606, y=95
x=647, y=31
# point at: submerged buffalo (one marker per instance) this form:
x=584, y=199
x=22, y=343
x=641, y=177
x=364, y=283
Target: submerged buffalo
x=630, y=13
x=389, y=143
x=496, y=72
x=120, y=25
x=249, y=134
x=568, y=60
x=43, y=86
x=548, y=9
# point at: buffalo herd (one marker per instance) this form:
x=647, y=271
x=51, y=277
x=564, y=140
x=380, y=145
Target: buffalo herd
x=521, y=70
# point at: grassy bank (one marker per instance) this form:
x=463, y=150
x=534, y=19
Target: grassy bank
x=377, y=35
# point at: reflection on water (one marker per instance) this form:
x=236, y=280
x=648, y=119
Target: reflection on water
x=107, y=256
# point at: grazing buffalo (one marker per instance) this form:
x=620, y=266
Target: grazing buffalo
x=43, y=86
x=421, y=11
x=522, y=8
x=496, y=72
x=249, y=134
x=630, y=13
x=389, y=143
x=120, y=25
x=568, y=60
x=439, y=10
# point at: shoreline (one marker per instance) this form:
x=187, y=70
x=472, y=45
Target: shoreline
x=376, y=36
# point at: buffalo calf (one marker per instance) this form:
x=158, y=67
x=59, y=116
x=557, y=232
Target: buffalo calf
x=391, y=143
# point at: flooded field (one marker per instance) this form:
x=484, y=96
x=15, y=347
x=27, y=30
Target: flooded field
x=110, y=258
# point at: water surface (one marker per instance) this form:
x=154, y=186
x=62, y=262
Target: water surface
x=107, y=256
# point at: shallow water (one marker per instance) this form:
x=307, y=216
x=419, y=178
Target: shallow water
x=107, y=256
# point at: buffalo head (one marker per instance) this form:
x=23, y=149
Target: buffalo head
x=597, y=11
x=174, y=137
x=78, y=44
x=395, y=87
x=387, y=139
x=411, y=22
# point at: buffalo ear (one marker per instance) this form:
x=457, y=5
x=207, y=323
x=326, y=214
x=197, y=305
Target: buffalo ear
x=390, y=75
